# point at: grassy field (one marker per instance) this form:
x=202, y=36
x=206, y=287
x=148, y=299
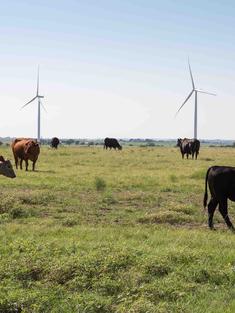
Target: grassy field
x=114, y=231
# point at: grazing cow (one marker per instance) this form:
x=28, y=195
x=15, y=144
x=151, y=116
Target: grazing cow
x=25, y=149
x=55, y=142
x=6, y=168
x=221, y=182
x=189, y=146
x=111, y=143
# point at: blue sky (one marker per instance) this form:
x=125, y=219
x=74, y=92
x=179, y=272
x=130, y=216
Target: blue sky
x=117, y=68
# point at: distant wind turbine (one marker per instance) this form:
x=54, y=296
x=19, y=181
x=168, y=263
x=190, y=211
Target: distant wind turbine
x=194, y=90
x=39, y=107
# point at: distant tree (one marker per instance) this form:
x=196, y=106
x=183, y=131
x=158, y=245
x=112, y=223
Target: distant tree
x=69, y=141
x=150, y=144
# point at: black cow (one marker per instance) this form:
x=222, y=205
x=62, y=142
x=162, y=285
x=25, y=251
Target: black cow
x=195, y=147
x=55, y=142
x=221, y=181
x=111, y=143
x=189, y=146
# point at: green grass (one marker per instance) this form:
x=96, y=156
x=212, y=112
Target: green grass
x=114, y=231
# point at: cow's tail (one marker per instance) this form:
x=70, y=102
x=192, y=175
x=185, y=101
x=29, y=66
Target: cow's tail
x=198, y=147
x=206, y=194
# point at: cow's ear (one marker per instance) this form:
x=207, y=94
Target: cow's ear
x=27, y=145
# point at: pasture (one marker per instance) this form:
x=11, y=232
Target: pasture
x=114, y=232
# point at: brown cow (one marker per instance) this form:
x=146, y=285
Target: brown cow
x=25, y=149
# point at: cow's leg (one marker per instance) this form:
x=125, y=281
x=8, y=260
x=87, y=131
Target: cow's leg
x=16, y=162
x=21, y=161
x=34, y=165
x=223, y=208
x=26, y=165
x=187, y=155
x=211, y=209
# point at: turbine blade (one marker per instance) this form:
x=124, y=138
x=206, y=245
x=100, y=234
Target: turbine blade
x=191, y=74
x=29, y=102
x=184, y=102
x=208, y=93
x=38, y=82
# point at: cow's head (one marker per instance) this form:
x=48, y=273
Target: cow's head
x=120, y=147
x=6, y=168
x=32, y=147
x=179, y=142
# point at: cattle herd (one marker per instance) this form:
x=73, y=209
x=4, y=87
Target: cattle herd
x=220, y=179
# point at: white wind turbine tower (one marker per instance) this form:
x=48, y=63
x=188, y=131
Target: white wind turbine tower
x=194, y=90
x=39, y=108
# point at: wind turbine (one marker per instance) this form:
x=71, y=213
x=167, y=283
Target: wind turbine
x=39, y=107
x=195, y=91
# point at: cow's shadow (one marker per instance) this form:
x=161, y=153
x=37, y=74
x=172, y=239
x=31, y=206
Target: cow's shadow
x=42, y=171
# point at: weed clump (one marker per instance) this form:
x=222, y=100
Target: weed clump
x=17, y=212
x=10, y=307
x=166, y=217
x=100, y=184
x=173, y=178
x=36, y=199
x=70, y=222
x=7, y=203
x=109, y=199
